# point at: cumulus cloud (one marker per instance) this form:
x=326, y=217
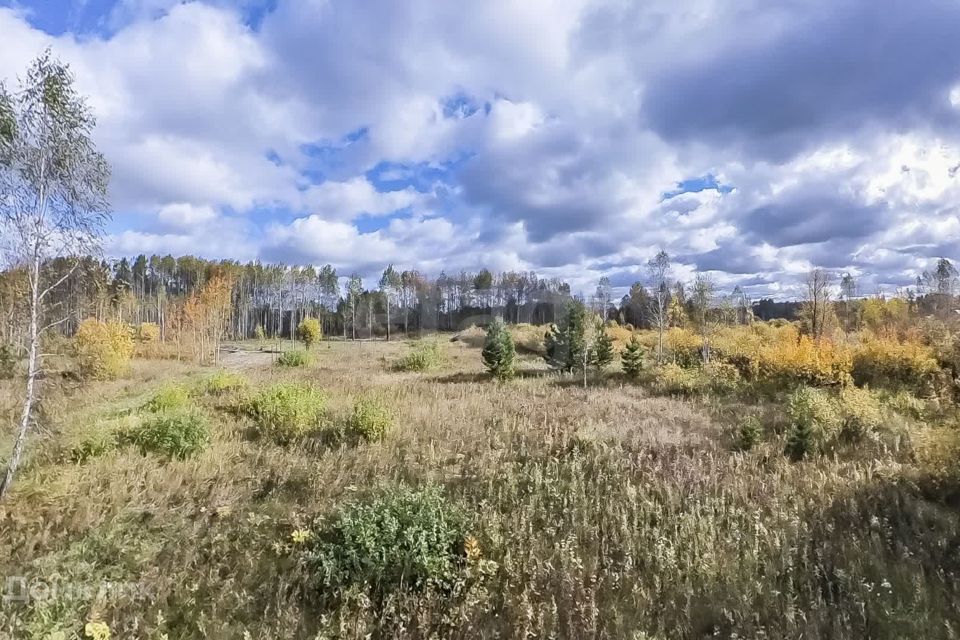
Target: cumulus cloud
x=530, y=134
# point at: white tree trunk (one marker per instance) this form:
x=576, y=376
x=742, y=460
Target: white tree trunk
x=33, y=369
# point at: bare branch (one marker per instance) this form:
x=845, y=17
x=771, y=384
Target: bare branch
x=73, y=267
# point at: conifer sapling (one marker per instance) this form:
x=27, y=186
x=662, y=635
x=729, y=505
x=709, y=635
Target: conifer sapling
x=632, y=358
x=499, y=351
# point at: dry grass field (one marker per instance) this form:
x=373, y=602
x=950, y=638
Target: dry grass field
x=599, y=513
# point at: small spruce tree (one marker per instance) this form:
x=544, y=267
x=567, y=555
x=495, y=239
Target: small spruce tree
x=801, y=440
x=749, y=433
x=499, y=351
x=601, y=355
x=632, y=358
x=566, y=342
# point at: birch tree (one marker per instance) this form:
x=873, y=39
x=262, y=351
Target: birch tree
x=53, y=201
x=702, y=299
x=389, y=285
x=816, y=306
x=354, y=292
x=659, y=270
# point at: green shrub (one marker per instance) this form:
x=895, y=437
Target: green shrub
x=499, y=351
x=293, y=359
x=176, y=434
x=8, y=364
x=168, y=397
x=404, y=538
x=286, y=411
x=905, y=403
x=861, y=412
x=425, y=356
x=749, y=433
x=259, y=333
x=309, y=331
x=101, y=437
x=815, y=421
x=370, y=419
x=223, y=382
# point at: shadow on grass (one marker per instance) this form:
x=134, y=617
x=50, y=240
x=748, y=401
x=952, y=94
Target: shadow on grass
x=463, y=377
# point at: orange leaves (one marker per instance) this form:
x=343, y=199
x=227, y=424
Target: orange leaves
x=206, y=315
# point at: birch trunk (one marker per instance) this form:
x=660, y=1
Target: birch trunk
x=33, y=369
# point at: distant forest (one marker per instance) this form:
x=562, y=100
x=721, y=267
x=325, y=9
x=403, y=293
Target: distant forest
x=271, y=299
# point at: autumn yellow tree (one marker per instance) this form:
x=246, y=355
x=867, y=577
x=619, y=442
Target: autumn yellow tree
x=206, y=316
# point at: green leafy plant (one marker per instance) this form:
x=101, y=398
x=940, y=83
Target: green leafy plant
x=405, y=538
x=632, y=357
x=223, y=382
x=100, y=437
x=8, y=363
x=905, y=403
x=814, y=421
x=499, y=351
x=168, y=397
x=293, y=359
x=370, y=419
x=176, y=434
x=861, y=412
x=425, y=356
x=287, y=411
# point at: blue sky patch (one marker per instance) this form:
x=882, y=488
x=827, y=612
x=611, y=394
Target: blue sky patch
x=696, y=185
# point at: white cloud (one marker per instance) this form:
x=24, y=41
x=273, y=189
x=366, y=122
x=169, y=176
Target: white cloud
x=346, y=200
x=184, y=216
x=576, y=117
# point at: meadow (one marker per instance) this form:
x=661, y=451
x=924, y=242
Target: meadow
x=347, y=496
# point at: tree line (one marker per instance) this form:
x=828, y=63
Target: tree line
x=271, y=300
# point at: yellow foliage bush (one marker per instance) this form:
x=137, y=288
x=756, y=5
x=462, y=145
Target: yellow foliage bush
x=721, y=377
x=148, y=332
x=878, y=314
x=684, y=346
x=890, y=362
x=103, y=349
x=672, y=379
x=526, y=337
x=860, y=410
x=619, y=334
x=742, y=346
x=309, y=332
x=799, y=358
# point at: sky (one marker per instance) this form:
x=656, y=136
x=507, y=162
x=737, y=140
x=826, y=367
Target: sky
x=751, y=140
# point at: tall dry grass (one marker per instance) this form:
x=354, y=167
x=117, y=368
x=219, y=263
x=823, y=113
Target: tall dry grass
x=607, y=514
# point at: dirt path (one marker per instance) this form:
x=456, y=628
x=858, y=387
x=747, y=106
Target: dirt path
x=240, y=359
